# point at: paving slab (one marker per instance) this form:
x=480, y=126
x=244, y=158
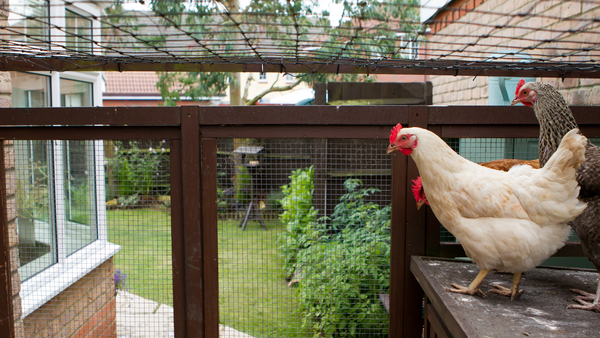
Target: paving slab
x=138, y=317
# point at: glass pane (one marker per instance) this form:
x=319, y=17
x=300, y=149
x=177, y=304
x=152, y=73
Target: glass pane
x=30, y=90
x=37, y=235
x=30, y=19
x=75, y=93
x=80, y=215
x=78, y=32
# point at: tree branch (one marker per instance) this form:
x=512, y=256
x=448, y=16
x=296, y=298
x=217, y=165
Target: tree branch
x=272, y=90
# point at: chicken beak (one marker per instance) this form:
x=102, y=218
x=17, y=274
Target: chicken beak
x=515, y=101
x=391, y=148
x=420, y=204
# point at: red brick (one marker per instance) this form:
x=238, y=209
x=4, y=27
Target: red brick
x=77, y=311
x=107, y=311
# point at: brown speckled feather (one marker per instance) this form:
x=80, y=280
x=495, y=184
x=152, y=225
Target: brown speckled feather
x=556, y=120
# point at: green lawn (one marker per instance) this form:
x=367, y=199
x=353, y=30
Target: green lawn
x=145, y=257
x=253, y=294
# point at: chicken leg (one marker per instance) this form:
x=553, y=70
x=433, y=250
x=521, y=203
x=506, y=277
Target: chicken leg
x=513, y=292
x=587, y=301
x=473, y=288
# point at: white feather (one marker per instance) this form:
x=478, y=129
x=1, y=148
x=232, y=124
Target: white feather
x=510, y=221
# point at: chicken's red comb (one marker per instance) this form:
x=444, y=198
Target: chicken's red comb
x=519, y=85
x=395, y=132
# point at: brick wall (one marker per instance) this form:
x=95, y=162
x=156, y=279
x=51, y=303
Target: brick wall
x=462, y=90
x=85, y=309
x=9, y=163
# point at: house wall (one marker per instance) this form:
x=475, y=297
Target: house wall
x=13, y=238
x=462, y=90
x=85, y=309
x=106, y=102
x=9, y=163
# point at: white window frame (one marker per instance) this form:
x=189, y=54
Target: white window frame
x=48, y=283
x=410, y=48
x=90, y=45
x=262, y=78
x=43, y=286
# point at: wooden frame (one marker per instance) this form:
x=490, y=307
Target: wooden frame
x=193, y=130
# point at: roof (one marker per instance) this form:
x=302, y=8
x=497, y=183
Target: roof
x=450, y=12
x=131, y=83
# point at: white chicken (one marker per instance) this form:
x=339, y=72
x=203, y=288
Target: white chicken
x=510, y=221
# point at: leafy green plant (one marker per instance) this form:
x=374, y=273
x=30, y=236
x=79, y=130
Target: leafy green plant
x=353, y=211
x=298, y=215
x=137, y=170
x=275, y=19
x=343, y=266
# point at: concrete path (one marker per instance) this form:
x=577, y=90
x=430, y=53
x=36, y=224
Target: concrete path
x=139, y=317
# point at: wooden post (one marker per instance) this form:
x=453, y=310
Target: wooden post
x=210, y=237
x=192, y=218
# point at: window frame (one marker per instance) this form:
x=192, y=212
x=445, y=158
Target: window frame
x=49, y=282
x=40, y=43
x=262, y=78
x=82, y=15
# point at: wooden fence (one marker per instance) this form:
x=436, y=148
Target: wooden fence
x=193, y=132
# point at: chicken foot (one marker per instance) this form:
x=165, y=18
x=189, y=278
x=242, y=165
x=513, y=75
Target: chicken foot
x=587, y=301
x=473, y=288
x=513, y=292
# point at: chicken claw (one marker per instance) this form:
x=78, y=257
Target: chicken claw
x=586, y=296
x=513, y=292
x=502, y=291
x=466, y=290
x=587, y=301
x=473, y=288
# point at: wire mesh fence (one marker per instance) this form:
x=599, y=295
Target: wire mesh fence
x=557, y=37
x=302, y=227
x=94, y=242
x=304, y=237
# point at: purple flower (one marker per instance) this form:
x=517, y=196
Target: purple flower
x=120, y=280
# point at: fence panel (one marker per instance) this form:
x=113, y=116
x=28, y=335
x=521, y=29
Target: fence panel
x=190, y=238
x=304, y=236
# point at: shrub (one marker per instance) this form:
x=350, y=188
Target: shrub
x=298, y=214
x=137, y=170
x=342, y=265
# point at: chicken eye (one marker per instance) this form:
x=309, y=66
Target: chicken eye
x=524, y=92
x=403, y=138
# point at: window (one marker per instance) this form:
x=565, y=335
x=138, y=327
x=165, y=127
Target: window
x=30, y=17
x=30, y=90
x=37, y=238
x=262, y=77
x=75, y=93
x=60, y=193
x=409, y=47
x=78, y=32
x=79, y=195
x=289, y=78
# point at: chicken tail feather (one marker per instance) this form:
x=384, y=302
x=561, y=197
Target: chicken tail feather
x=569, y=155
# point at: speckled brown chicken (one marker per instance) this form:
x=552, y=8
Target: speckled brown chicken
x=556, y=120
